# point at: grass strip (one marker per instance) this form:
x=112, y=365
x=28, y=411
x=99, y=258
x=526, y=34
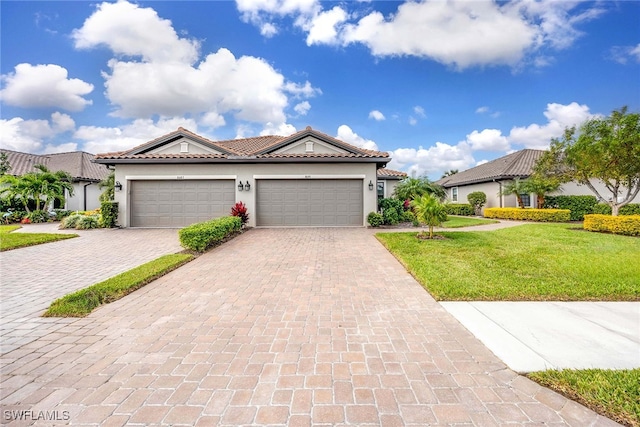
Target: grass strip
x=9, y=240
x=612, y=393
x=531, y=262
x=82, y=302
x=461, y=221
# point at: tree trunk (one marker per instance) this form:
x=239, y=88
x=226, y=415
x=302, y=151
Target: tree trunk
x=614, y=209
x=431, y=231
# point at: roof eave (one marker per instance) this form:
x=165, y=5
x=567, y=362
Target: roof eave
x=236, y=160
x=483, y=180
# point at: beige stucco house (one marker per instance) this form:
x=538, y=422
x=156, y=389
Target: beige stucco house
x=490, y=178
x=305, y=179
x=84, y=173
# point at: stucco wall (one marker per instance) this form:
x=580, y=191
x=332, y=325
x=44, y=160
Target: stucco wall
x=77, y=201
x=491, y=189
x=245, y=172
x=575, y=189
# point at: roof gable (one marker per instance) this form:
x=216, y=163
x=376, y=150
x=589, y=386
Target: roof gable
x=329, y=144
x=166, y=144
x=310, y=144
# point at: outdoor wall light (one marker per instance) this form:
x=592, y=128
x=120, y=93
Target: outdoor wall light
x=370, y=185
x=240, y=186
x=117, y=186
x=247, y=186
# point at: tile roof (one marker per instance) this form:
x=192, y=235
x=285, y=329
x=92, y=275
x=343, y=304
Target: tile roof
x=77, y=163
x=390, y=173
x=518, y=164
x=259, y=147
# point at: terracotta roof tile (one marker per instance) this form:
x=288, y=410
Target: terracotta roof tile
x=384, y=172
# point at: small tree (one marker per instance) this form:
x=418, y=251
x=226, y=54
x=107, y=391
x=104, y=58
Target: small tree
x=429, y=211
x=515, y=187
x=477, y=199
x=540, y=186
x=411, y=188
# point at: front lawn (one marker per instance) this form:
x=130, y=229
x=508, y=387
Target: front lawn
x=10, y=240
x=614, y=394
x=463, y=221
x=531, y=262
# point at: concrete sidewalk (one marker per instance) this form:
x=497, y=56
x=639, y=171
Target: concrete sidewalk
x=534, y=336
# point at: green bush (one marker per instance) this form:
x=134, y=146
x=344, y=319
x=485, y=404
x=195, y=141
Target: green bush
x=109, y=211
x=60, y=214
x=520, y=214
x=578, y=205
x=392, y=210
x=71, y=221
x=477, y=199
x=630, y=209
x=463, y=209
x=375, y=219
x=408, y=216
x=202, y=235
x=629, y=225
x=38, y=216
x=88, y=222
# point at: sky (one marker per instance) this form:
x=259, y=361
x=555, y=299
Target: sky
x=440, y=85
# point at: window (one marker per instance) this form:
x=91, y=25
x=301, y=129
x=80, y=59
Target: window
x=380, y=190
x=454, y=194
x=309, y=147
x=526, y=200
x=184, y=147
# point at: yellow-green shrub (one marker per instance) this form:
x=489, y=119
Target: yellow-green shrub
x=629, y=225
x=519, y=214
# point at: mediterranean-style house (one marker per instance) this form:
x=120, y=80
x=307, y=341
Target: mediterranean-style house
x=305, y=179
x=490, y=178
x=85, y=174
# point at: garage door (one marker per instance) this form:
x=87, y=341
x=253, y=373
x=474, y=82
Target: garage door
x=310, y=202
x=179, y=203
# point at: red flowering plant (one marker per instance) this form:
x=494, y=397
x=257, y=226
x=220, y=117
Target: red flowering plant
x=240, y=210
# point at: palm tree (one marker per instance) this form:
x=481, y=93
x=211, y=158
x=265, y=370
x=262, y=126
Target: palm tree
x=41, y=186
x=540, y=186
x=429, y=211
x=516, y=187
x=449, y=173
x=412, y=188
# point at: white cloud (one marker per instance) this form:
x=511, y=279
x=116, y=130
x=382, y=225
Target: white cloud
x=31, y=136
x=488, y=140
x=302, y=108
x=39, y=86
x=323, y=26
x=261, y=13
x=482, y=162
x=419, y=111
x=376, y=115
x=128, y=29
x=482, y=110
x=60, y=148
x=413, y=121
x=433, y=160
x=622, y=54
x=346, y=134
x=282, y=129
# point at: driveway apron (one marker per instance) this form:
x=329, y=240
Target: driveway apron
x=290, y=327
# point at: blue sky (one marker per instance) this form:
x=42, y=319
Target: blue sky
x=438, y=84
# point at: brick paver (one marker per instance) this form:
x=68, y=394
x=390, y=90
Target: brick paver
x=33, y=277
x=278, y=327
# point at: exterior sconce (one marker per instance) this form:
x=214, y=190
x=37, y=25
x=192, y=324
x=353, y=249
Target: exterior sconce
x=117, y=186
x=240, y=186
x=370, y=185
x=247, y=186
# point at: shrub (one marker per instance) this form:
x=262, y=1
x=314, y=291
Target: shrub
x=240, y=210
x=628, y=225
x=409, y=216
x=630, y=209
x=71, y=221
x=38, y=216
x=202, y=235
x=392, y=210
x=13, y=216
x=463, y=209
x=109, y=211
x=375, y=219
x=578, y=205
x=59, y=214
x=540, y=215
x=86, y=222
x=477, y=199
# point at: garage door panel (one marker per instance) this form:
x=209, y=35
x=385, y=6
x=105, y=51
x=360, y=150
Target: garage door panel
x=179, y=203
x=309, y=202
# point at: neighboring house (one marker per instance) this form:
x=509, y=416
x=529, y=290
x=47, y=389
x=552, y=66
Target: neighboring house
x=388, y=179
x=85, y=174
x=306, y=179
x=491, y=176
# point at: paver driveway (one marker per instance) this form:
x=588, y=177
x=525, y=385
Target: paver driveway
x=278, y=327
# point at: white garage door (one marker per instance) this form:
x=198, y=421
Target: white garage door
x=309, y=202
x=179, y=203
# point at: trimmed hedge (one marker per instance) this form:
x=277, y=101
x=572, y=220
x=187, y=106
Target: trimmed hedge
x=578, y=205
x=630, y=209
x=540, y=215
x=628, y=225
x=202, y=235
x=375, y=219
x=463, y=209
x=109, y=211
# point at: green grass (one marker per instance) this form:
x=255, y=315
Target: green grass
x=533, y=262
x=82, y=302
x=462, y=221
x=614, y=394
x=10, y=240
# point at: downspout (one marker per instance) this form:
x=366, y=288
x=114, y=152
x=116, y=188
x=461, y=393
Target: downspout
x=500, y=191
x=84, y=195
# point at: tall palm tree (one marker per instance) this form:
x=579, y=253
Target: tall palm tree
x=449, y=173
x=429, y=211
x=41, y=186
